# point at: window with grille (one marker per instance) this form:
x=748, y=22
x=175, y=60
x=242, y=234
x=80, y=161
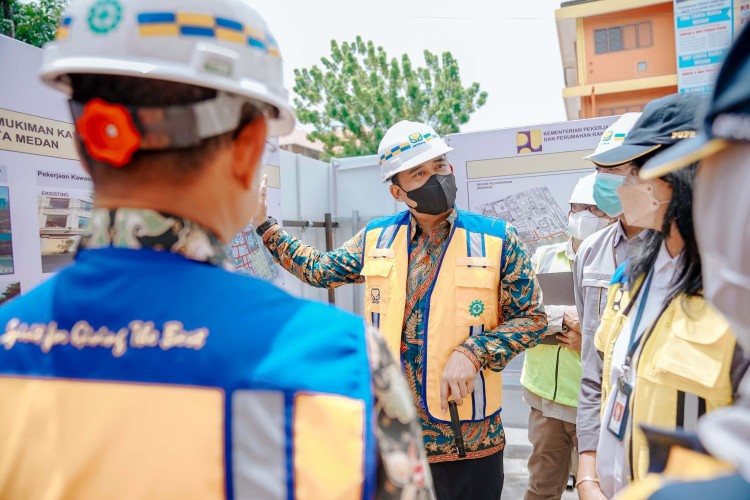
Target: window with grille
x=625, y=37
x=56, y=221
x=59, y=202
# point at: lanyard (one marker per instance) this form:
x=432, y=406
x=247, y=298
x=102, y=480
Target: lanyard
x=633, y=343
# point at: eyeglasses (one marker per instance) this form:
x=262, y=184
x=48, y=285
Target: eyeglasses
x=580, y=207
x=625, y=169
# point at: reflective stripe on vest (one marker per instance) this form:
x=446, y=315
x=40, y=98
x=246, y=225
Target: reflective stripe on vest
x=265, y=421
x=463, y=301
x=554, y=262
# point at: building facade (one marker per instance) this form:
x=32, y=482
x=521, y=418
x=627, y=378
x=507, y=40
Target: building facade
x=620, y=54
x=617, y=55
x=62, y=220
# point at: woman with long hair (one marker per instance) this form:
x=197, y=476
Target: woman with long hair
x=669, y=357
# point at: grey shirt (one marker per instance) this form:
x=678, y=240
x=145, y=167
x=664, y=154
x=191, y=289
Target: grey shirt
x=597, y=258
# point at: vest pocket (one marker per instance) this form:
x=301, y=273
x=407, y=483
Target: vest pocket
x=476, y=296
x=376, y=273
x=693, y=355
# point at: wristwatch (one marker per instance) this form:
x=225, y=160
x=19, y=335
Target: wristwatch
x=261, y=230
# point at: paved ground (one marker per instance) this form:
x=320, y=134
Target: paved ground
x=517, y=451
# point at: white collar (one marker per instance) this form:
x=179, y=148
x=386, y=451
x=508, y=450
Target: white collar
x=665, y=261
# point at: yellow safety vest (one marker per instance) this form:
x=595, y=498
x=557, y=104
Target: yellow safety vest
x=684, y=468
x=463, y=300
x=683, y=369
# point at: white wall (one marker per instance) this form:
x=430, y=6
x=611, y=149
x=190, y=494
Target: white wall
x=311, y=188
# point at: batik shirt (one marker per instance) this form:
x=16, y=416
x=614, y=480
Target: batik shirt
x=524, y=321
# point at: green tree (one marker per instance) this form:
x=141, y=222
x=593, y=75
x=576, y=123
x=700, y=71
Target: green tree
x=34, y=23
x=358, y=93
x=10, y=292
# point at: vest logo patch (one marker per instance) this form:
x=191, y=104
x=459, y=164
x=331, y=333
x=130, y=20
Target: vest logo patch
x=375, y=295
x=476, y=308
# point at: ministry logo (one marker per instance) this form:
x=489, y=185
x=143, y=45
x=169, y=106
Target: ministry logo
x=529, y=141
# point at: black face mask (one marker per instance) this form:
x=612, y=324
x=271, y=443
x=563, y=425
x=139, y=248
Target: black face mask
x=436, y=196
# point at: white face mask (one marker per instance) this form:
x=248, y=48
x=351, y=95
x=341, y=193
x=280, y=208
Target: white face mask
x=721, y=214
x=583, y=224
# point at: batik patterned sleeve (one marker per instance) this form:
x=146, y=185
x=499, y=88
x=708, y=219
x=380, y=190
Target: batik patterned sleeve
x=523, y=321
x=403, y=470
x=320, y=269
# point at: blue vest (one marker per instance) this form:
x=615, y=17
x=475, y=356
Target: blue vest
x=143, y=374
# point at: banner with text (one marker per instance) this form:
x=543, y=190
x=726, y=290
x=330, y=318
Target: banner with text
x=704, y=31
x=46, y=196
x=526, y=175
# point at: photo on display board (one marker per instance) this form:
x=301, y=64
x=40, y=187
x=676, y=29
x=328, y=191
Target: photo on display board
x=62, y=220
x=6, y=239
x=250, y=256
x=8, y=290
x=536, y=215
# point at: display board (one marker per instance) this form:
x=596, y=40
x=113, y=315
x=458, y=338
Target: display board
x=703, y=33
x=744, y=13
x=247, y=251
x=46, y=197
x=525, y=175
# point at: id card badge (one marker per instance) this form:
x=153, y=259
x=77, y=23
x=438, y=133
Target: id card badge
x=618, y=420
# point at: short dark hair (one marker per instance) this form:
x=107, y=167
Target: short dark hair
x=133, y=91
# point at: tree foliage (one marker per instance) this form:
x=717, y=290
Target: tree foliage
x=358, y=93
x=13, y=290
x=34, y=23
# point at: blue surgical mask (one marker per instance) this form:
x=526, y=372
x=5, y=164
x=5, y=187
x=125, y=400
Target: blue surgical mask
x=605, y=193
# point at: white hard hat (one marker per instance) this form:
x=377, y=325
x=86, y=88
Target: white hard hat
x=222, y=44
x=615, y=134
x=406, y=145
x=583, y=193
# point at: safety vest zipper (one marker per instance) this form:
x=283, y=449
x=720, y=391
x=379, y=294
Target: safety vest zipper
x=557, y=372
